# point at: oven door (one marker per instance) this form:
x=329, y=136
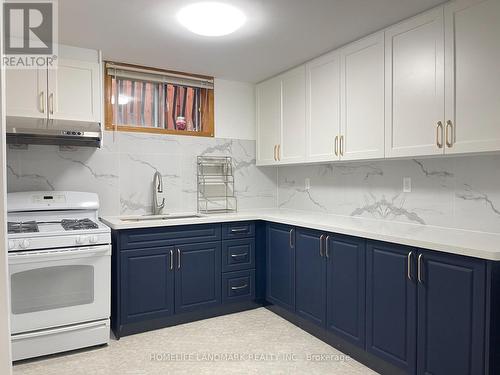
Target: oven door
x=52, y=288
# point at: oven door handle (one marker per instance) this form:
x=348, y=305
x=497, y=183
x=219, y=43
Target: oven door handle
x=65, y=253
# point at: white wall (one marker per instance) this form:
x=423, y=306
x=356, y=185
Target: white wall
x=234, y=109
x=5, y=363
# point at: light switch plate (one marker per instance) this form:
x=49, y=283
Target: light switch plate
x=406, y=184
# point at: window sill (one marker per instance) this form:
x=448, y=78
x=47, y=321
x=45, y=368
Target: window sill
x=137, y=129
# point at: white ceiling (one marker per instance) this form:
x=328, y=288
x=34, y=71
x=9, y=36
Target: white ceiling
x=279, y=34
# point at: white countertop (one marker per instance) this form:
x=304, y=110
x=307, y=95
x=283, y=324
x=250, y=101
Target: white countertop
x=464, y=242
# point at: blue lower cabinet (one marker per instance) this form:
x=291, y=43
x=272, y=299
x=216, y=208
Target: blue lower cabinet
x=238, y=286
x=238, y=255
x=197, y=276
x=345, y=287
x=147, y=284
x=391, y=304
x=280, y=264
x=424, y=312
x=238, y=230
x=451, y=314
x=310, y=276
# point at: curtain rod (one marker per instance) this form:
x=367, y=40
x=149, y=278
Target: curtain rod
x=158, y=73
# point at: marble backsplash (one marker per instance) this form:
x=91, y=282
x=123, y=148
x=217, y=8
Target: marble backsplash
x=122, y=171
x=458, y=192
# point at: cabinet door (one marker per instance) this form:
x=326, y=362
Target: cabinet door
x=197, y=276
x=147, y=284
x=346, y=287
x=310, y=276
x=415, y=85
x=293, y=145
x=26, y=92
x=451, y=315
x=268, y=120
x=323, y=107
x=74, y=92
x=362, y=114
x=391, y=305
x=472, y=29
x=280, y=283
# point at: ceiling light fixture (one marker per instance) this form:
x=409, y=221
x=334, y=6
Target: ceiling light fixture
x=211, y=18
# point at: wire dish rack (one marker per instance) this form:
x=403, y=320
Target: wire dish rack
x=216, y=184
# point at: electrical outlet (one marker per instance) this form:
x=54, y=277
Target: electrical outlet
x=406, y=184
x=307, y=184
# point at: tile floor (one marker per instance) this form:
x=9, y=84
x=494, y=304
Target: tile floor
x=250, y=342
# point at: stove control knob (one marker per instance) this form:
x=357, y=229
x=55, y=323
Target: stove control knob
x=93, y=239
x=12, y=244
x=25, y=244
x=80, y=240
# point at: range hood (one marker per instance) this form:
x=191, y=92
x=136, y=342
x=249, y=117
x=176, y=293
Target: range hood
x=28, y=130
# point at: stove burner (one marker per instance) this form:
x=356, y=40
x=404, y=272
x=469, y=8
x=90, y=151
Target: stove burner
x=22, y=227
x=68, y=224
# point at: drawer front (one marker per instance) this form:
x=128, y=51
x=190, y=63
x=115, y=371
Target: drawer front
x=238, y=255
x=238, y=286
x=238, y=230
x=165, y=236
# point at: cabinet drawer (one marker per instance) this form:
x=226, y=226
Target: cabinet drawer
x=165, y=236
x=238, y=286
x=238, y=255
x=238, y=230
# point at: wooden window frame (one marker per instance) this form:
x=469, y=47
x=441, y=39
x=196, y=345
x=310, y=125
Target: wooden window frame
x=207, y=108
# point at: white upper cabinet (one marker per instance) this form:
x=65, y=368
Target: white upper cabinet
x=426, y=86
x=362, y=98
x=74, y=91
x=268, y=120
x=281, y=116
x=26, y=92
x=323, y=108
x=292, y=147
x=472, y=76
x=70, y=91
x=415, y=86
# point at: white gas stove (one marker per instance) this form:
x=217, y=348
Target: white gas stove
x=42, y=220
x=60, y=271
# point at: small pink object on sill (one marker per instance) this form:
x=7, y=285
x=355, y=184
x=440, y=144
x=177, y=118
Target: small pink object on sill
x=180, y=122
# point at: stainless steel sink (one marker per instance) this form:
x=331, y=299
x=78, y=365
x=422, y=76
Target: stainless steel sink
x=161, y=217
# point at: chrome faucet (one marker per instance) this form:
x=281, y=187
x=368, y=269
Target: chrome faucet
x=157, y=189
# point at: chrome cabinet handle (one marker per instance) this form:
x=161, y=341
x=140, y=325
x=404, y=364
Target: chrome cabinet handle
x=410, y=255
x=171, y=260
x=238, y=230
x=336, y=145
x=327, y=249
x=439, y=134
x=275, y=158
x=291, y=241
x=449, y=125
x=341, y=145
x=279, y=152
x=239, y=287
x=51, y=103
x=239, y=255
x=42, y=102
x=419, y=271
x=321, y=252
x=178, y=258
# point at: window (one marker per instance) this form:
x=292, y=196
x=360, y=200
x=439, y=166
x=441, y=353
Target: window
x=151, y=100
